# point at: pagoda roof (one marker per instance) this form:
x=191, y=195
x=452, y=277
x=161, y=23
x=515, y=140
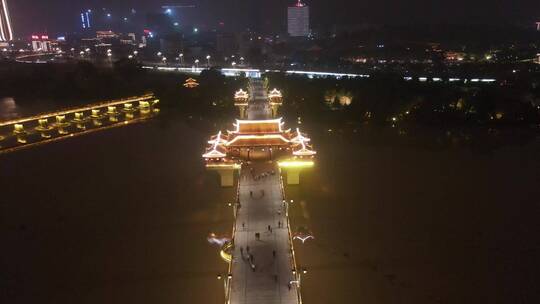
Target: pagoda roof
x=275, y=93
x=258, y=126
x=241, y=94
x=258, y=140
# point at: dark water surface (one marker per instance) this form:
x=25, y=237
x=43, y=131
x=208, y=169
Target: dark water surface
x=402, y=223
x=122, y=217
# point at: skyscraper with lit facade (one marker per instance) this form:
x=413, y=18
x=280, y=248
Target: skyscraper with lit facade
x=298, y=20
x=6, y=31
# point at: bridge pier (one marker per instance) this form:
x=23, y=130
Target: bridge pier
x=111, y=110
x=226, y=177
x=128, y=107
x=18, y=129
x=43, y=125
x=144, y=104
x=79, y=116
x=61, y=121
x=95, y=113
x=293, y=176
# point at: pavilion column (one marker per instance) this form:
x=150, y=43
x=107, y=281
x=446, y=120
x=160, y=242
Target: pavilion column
x=242, y=111
x=274, y=111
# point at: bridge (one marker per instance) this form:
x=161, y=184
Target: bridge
x=262, y=262
x=67, y=123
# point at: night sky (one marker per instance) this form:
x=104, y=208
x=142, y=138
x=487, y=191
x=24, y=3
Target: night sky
x=62, y=15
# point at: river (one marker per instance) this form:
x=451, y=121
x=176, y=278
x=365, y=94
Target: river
x=122, y=216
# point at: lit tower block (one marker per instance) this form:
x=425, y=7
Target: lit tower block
x=241, y=98
x=276, y=100
x=259, y=140
x=6, y=31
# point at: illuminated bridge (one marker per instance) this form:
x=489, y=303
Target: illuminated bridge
x=54, y=126
x=262, y=264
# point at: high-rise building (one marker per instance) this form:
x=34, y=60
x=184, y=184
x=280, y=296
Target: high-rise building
x=6, y=31
x=298, y=20
x=85, y=19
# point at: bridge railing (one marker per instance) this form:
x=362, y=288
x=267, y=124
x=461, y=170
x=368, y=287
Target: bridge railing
x=293, y=260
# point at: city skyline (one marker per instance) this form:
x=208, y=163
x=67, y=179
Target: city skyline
x=30, y=16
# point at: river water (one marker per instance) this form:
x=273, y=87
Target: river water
x=122, y=216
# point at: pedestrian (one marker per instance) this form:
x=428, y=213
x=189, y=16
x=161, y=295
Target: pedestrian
x=253, y=268
x=242, y=251
x=247, y=249
x=243, y=225
x=269, y=228
x=274, y=253
x=251, y=193
x=251, y=258
x=289, y=285
x=275, y=278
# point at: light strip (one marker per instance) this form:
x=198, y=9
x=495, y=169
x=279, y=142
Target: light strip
x=296, y=164
x=8, y=21
x=267, y=136
x=268, y=121
x=2, y=37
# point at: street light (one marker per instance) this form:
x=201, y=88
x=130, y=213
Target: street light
x=208, y=60
x=196, y=63
x=181, y=58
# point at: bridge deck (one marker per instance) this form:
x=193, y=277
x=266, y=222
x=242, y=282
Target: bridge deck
x=266, y=277
x=262, y=205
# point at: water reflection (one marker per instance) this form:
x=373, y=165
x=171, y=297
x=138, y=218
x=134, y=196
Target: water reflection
x=8, y=108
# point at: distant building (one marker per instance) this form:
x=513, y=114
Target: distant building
x=6, y=31
x=106, y=35
x=41, y=43
x=227, y=43
x=298, y=20
x=85, y=20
